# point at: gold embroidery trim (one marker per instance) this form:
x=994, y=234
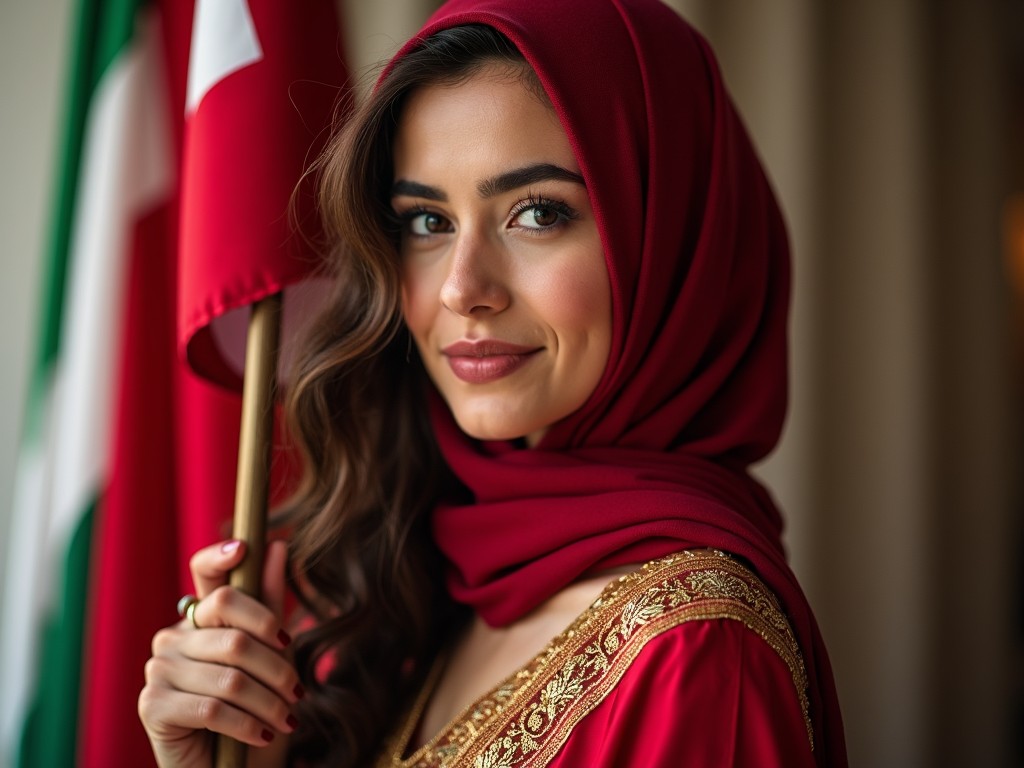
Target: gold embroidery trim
x=526, y=719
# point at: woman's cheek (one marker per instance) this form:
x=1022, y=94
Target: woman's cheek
x=413, y=299
x=576, y=296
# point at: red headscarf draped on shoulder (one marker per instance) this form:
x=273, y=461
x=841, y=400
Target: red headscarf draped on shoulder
x=695, y=387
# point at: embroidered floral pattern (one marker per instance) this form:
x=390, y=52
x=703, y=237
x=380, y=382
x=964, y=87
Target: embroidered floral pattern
x=526, y=719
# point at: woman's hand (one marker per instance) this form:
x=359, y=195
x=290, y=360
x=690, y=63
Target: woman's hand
x=231, y=675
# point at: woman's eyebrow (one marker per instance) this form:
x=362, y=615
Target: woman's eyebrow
x=528, y=174
x=496, y=185
x=415, y=189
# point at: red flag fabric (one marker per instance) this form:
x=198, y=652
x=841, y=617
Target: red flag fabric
x=259, y=94
x=240, y=141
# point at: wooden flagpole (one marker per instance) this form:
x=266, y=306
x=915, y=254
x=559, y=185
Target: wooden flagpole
x=252, y=489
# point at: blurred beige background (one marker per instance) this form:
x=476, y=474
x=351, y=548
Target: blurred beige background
x=893, y=130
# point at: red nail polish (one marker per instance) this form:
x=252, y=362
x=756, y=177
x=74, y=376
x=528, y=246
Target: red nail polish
x=284, y=638
x=299, y=691
x=267, y=735
x=292, y=722
x=229, y=546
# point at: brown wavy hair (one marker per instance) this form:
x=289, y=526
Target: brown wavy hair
x=361, y=556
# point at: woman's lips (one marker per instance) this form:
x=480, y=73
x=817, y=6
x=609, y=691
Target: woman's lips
x=478, y=362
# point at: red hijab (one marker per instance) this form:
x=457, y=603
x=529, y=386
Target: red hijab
x=695, y=386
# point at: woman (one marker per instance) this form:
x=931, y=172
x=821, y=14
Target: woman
x=553, y=211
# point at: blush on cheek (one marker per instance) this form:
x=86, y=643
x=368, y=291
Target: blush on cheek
x=575, y=298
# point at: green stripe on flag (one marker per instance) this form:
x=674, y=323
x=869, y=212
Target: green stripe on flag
x=50, y=737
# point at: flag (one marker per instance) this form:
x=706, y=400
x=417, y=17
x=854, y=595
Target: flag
x=189, y=125
x=65, y=460
x=249, y=62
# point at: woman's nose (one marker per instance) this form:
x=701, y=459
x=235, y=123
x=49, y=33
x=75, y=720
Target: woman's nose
x=475, y=283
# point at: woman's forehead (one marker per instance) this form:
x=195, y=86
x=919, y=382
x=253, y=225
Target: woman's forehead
x=490, y=118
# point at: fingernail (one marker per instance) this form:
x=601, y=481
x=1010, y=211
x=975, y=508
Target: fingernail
x=229, y=546
x=299, y=691
x=284, y=638
x=292, y=722
x=267, y=735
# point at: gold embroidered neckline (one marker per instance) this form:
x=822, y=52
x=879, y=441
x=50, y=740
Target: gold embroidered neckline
x=526, y=718
x=491, y=702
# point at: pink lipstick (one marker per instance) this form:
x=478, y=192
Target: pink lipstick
x=479, y=362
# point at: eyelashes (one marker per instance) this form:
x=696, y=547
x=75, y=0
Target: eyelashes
x=546, y=213
x=535, y=215
x=422, y=222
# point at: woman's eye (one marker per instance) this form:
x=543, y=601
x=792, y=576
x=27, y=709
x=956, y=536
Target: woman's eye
x=426, y=223
x=542, y=216
x=538, y=217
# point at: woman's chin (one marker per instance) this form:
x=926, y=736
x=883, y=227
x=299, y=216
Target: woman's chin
x=490, y=431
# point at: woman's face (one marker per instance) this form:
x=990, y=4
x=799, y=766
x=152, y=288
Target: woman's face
x=504, y=284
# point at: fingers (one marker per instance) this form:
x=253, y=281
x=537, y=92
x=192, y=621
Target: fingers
x=211, y=565
x=262, y=687
x=195, y=712
x=228, y=607
x=237, y=684
x=231, y=676
x=233, y=649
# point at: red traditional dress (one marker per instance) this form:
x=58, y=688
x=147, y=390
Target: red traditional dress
x=687, y=662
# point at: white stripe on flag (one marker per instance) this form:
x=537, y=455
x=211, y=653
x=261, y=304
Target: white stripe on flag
x=223, y=41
